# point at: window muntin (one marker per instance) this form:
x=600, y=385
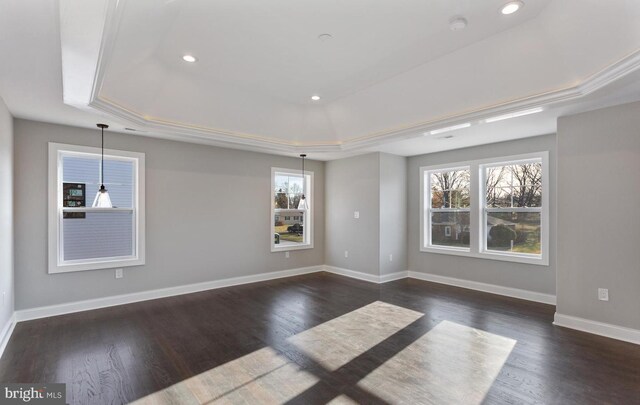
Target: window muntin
x=291, y=227
x=512, y=208
x=449, y=211
x=87, y=238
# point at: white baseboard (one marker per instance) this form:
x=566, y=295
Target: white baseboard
x=490, y=288
x=598, y=328
x=78, y=306
x=385, y=278
x=6, y=332
x=372, y=278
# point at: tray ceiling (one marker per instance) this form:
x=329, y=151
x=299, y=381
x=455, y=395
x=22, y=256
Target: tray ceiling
x=391, y=71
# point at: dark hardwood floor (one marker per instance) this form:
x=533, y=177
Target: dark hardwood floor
x=119, y=354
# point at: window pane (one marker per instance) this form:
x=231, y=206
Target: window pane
x=98, y=235
x=118, y=178
x=517, y=232
x=289, y=228
x=450, y=189
x=450, y=229
x=518, y=185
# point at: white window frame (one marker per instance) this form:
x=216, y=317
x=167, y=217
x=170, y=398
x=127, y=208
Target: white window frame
x=477, y=221
x=427, y=210
x=308, y=220
x=55, y=210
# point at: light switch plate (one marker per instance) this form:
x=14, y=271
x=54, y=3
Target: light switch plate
x=356, y=214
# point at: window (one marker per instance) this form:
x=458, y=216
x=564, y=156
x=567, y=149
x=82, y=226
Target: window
x=296, y=230
x=85, y=238
x=492, y=208
x=512, y=210
x=448, y=214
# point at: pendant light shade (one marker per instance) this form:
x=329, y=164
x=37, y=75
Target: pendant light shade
x=102, y=199
x=303, y=204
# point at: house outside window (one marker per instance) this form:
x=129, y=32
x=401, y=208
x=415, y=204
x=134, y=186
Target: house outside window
x=292, y=227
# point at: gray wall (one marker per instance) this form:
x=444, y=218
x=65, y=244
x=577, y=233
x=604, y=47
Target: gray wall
x=353, y=185
x=515, y=275
x=598, y=215
x=223, y=230
x=393, y=213
x=6, y=215
x=374, y=184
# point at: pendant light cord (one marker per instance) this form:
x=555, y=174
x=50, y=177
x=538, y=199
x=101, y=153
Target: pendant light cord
x=102, y=161
x=304, y=183
x=102, y=127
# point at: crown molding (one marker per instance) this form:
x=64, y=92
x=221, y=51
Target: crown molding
x=189, y=132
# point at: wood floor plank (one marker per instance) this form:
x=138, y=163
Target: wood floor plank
x=124, y=353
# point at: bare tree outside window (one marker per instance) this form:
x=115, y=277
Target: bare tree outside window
x=513, y=207
x=449, y=212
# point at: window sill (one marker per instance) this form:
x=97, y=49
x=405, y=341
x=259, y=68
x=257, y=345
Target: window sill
x=96, y=265
x=487, y=255
x=95, y=209
x=275, y=249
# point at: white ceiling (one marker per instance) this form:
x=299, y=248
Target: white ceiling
x=392, y=70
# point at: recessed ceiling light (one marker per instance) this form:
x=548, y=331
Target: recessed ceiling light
x=315, y=97
x=447, y=129
x=189, y=58
x=511, y=7
x=515, y=114
x=458, y=24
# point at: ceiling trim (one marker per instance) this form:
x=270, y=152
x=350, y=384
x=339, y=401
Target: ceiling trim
x=196, y=133
x=596, y=81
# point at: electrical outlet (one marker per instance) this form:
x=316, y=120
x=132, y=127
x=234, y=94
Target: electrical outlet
x=119, y=273
x=286, y=255
x=356, y=214
x=390, y=258
x=346, y=253
x=603, y=294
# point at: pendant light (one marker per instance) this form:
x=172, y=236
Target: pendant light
x=303, y=204
x=102, y=199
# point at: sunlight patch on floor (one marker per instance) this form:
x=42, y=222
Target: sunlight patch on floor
x=340, y=340
x=261, y=377
x=450, y=364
